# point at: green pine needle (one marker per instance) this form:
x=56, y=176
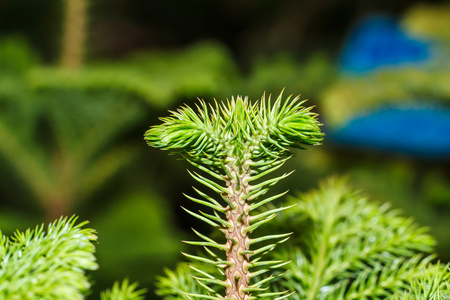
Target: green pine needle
x=123, y=291
x=345, y=248
x=47, y=263
x=231, y=128
x=351, y=248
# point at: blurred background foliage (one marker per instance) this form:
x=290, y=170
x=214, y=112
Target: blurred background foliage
x=81, y=81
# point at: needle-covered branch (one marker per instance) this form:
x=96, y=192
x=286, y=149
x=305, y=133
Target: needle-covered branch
x=237, y=142
x=51, y=263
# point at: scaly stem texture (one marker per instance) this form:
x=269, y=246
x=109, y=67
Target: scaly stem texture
x=237, y=275
x=237, y=143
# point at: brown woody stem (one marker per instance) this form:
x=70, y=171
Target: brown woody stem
x=237, y=275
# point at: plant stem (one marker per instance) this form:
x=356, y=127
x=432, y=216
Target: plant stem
x=74, y=34
x=322, y=257
x=237, y=275
x=57, y=207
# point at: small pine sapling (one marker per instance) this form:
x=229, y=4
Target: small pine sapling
x=237, y=144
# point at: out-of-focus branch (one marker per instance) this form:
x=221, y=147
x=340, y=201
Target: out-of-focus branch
x=74, y=34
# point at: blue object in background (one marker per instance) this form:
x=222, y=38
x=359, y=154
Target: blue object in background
x=423, y=132
x=379, y=42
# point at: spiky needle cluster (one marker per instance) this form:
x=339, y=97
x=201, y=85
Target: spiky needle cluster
x=237, y=143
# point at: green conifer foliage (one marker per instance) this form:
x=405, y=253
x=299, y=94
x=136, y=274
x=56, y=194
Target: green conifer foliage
x=350, y=248
x=237, y=144
x=344, y=247
x=203, y=68
x=83, y=153
x=123, y=291
x=47, y=264
x=51, y=263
